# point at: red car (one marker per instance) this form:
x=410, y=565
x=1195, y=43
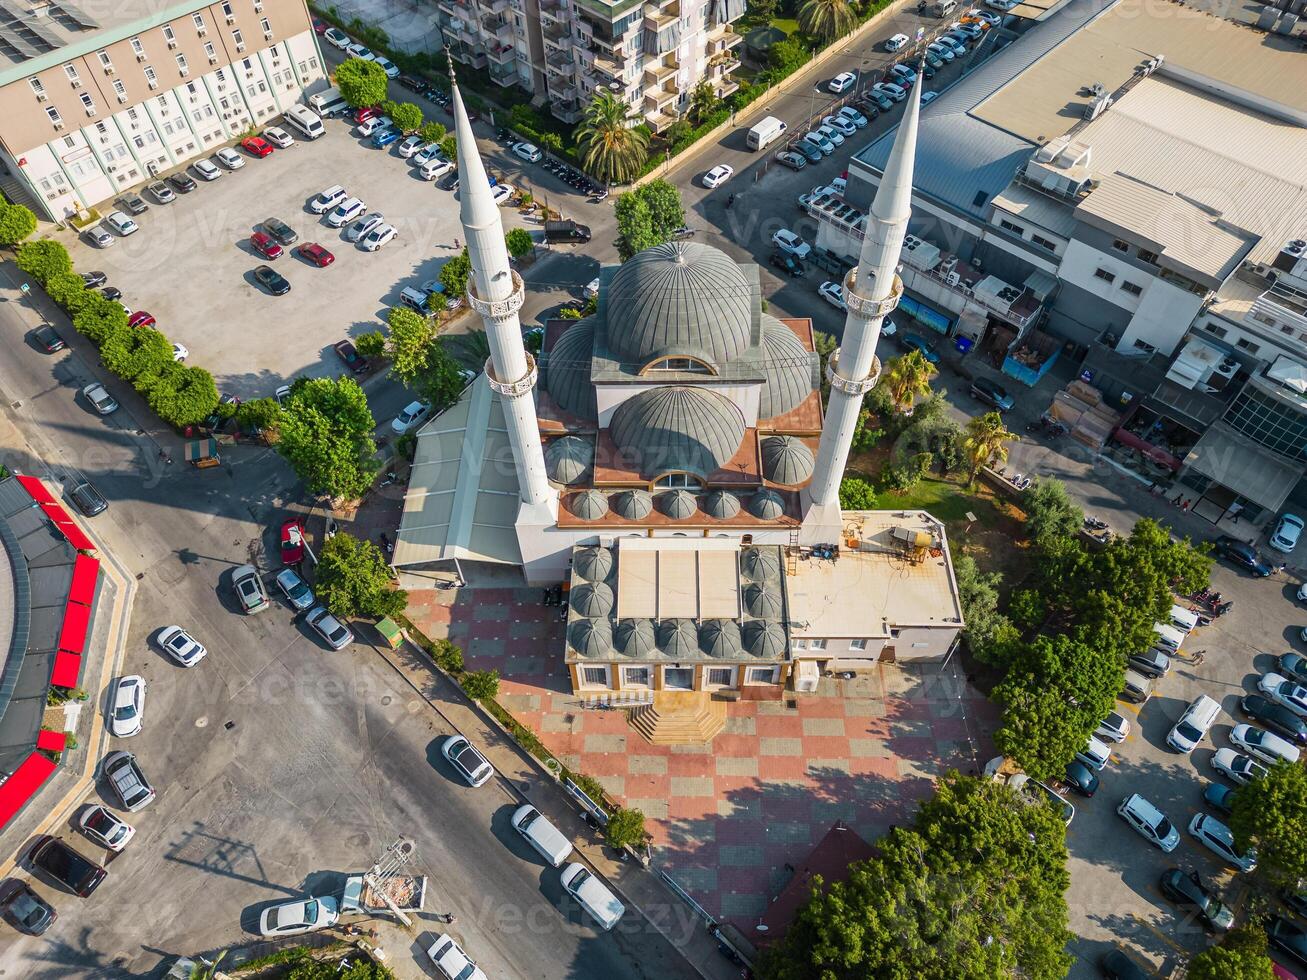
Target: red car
x=292, y=542
x=256, y=146
x=140, y=319
x=319, y=26
x=264, y=245
x=363, y=113
x=316, y=254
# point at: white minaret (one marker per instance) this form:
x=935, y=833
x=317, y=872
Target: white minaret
x=496, y=292
x=871, y=290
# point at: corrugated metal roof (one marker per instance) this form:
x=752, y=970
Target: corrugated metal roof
x=1025, y=202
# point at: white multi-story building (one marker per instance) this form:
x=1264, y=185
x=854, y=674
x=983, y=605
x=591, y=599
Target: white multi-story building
x=92, y=106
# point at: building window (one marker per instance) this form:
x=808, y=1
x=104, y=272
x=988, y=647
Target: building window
x=104, y=60
x=1120, y=246
x=800, y=644
x=37, y=87
x=248, y=65
x=169, y=36
x=1243, y=343
x=71, y=72
x=762, y=675
x=209, y=51
x=676, y=481
x=101, y=128
x=151, y=77
x=70, y=142
x=1104, y=275
x=857, y=644
x=1216, y=331
x=1146, y=347
x=1262, y=318
x=680, y=364
x=1043, y=242
x=1147, y=256
x=137, y=47
x=894, y=632
x=240, y=41
x=594, y=676
x=181, y=64
x=635, y=676
x=88, y=104
x=816, y=644
x=133, y=115
x=53, y=113
x=226, y=10
x=199, y=21
x=221, y=76
x=266, y=25
x=720, y=676
x=1009, y=226
x=1134, y=289
x=120, y=90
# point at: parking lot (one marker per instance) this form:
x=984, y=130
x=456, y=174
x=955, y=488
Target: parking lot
x=191, y=263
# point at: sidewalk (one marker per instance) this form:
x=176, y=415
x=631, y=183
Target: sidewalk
x=642, y=891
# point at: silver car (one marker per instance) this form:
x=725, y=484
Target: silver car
x=297, y=593
x=337, y=635
x=120, y=223
x=98, y=236
x=249, y=589
x=100, y=399
x=363, y=225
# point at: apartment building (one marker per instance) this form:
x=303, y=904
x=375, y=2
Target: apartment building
x=92, y=106
x=650, y=54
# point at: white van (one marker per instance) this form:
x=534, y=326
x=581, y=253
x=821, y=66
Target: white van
x=328, y=102
x=593, y=895
x=945, y=7
x=1267, y=746
x=1183, y=619
x=765, y=132
x=1168, y=638
x=1137, y=688
x=304, y=119
x=1193, y=724
x=542, y=835
x=1096, y=754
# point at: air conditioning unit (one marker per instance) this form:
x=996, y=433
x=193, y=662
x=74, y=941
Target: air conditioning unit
x=201, y=32
x=172, y=44
x=183, y=72
x=267, y=36
x=59, y=125
x=155, y=84
x=122, y=98
x=76, y=82
x=240, y=47
x=108, y=69
x=231, y=18
x=258, y=7
x=42, y=97
x=141, y=56
x=213, y=58
x=90, y=112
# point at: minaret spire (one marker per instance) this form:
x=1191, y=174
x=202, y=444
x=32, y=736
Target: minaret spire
x=871, y=290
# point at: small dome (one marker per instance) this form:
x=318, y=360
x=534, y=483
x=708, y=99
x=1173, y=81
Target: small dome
x=682, y=298
x=762, y=602
x=766, y=505
x=678, y=429
x=720, y=638
x=589, y=505
x=764, y=639
x=678, y=504
x=567, y=371
x=594, y=564
x=678, y=637
x=788, y=367
x=569, y=458
x=592, y=599
x=590, y=637
x=634, y=505
x=721, y=504
x=786, y=460
x=760, y=563
x=635, y=637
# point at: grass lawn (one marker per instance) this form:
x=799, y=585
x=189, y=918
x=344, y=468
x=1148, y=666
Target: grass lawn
x=790, y=27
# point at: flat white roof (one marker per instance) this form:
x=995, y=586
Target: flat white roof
x=678, y=578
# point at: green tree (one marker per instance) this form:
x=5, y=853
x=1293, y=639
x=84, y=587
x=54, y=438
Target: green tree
x=353, y=579
x=481, y=685
x=826, y=19
x=857, y=494
x=43, y=258
x=907, y=378
x=409, y=344
x=988, y=633
x=519, y=243
x=99, y=319
x=130, y=353
x=974, y=889
x=985, y=443
x=625, y=828
x=1271, y=815
x=68, y=290
x=442, y=380
x=612, y=148
x=1241, y=955
x=1050, y=512
x=361, y=83
x=454, y=274
x=326, y=436
x=260, y=415
x=702, y=101
x=432, y=132
x=16, y=223
x=648, y=216
x=762, y=11
x=864, y=436
x=407, y=117
x=371, y=345
x=788, y=56
x=182, y=395
x=449, y=147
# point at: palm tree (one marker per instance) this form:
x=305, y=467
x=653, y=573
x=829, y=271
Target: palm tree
x=702, y=101
x=826, y=19
x=985, y=443
x=610, y=148
x=908, y=378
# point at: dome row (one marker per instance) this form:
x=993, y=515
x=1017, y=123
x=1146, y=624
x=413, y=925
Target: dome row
x=678, y=505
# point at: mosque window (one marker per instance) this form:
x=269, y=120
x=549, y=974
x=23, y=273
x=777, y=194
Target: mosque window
x=683, y=364
x=677, y=481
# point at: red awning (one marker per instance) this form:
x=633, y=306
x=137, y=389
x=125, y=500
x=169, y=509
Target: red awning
x=35, y=489
x=72, y=637
x=51, y=741
x=76, y=536
x=67, y=667
x=56, y=513
x=20, y=787
x=85, y=572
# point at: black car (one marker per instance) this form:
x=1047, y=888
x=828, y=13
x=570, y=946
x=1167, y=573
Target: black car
x=1242, y=554
x=88, y=499
x=112, y=293
x=281, y=231
x=27, y=911
x=48, y=338
x=182, y=182
x=1150, y=663
x=1116, y=965
x=271, y=280
x=449, y=182
x=787, y=263
x=93, y=279
x=410, y=83
x=991, y=393
x=350, y=357
x=566, y=232
x=1080, y=779
x=1288, y=937
x=1275, y=716
x=1297, y=902
x=132, y=204
x=65, y=866
x=1186, y=892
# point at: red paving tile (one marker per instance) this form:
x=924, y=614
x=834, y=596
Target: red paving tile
x=782, y=767
x=887, y=768
x=778, y=726
x=691, y=807
x=735, y=746
x=690, y=764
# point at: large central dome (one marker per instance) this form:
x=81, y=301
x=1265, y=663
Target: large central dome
x=679, y=299
x=678, y=429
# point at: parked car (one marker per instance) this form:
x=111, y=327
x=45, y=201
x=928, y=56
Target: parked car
x=1150, y=663
x=100, y=399
x=256, y=146
x=1116, y=964
x=854, y=116
x=358, y=50
x=182, y=182
x=1149, y=822
x=808, y=150
x=388, y=66
x=120, y=223
x=791, y=159
x=452, y=962
x=271, y=280
x=1185, y=890
x=132, y=203
x=183, y=647
x=278, y=137
x=1080, y=779
x=787, y=263
x=141, y=319
x=410, y=145
x=249, y=589
x=161, y=192
x=48, y=338
x=895, y=93
x=992, y=393
x=128, y=781
x=265, y=246
x=717, y=176
x=127, y=706
x=336, y=634
x=346, y=211
x=833, y=293
x=296, y=591
x=1284, y=691
x=788, y=241
x=371, y=124
x=912, y=341
x=336, y=38
x=1114, y=728
x=1217, y=838
x=206, y=170
x=299, y=916
x=1219, y=796
x=410, y=417
x=106, y=828
x=88, y=499
x=1238, y=768
x=280, y=232
x=896, y=43
x=1263, y=745
x=833, y=135
x=815, y=138
x=66, y=867
x=425, y=154
x=327, y=199
x=383, y=138
x=27, y=911
x=469, y=763
x=842, y=82
x=229, y=158
x=377, y=237
x=844, y=127
x=1288, y=937
x=98, y=236
x=528, y=152
x=317, y=254
x=1275, y=716
x=350, y=357
x=1287, y=531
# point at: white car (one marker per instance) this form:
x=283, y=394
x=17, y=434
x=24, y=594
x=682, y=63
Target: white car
x=718, y=175
x=890, y=91
x=179, y=352
x=464, y=757
x=842, y=82
x=346, y=211
x=788, y=241
x=1283, y=538
x=500, y=193
x=853, y=116
x=278, y=137
x=304, y=915
x=337, y=38
x=528, y=152
x=831, y=133
x=896, y=43
x=206, y=170
x=297, y=593
x=370, y=125
x=358, y=50
x=1114, y=728
x=105, y=828
x=426, y=154
x=1236, y=767
x=941, y=51
x=100, y=399
x=1149, y=822
x=1263, y=745
x=181, y=646
x=844, y=127
x=414, y=414
x=229, y=158
x=833, y=293
x=451, y=961
x=1217, y=838
x=409, y=145
x=120, y=223
x=377, y=237
x=388, y=66
x=363, y=225
x=434, y=168
x=327, y=199
x=127, y=706
x=1284, y=691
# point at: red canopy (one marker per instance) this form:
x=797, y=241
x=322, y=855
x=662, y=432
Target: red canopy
x=51, y=741
x=35, y=489
x=72, y=637
x=67, y=667
x=76, y=536
x=55, y=511
x=85, y=572
x=20, y=787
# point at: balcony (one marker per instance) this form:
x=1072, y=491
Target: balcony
x=1284, y=304
x=722, y=38
x=657, y=100
x=472, y=57
x=501, y=54
x=727, y=88
x=503, y=74
x=607, y=70
x=659, y=21
x=559, y=63
x=659, y=121
x=658, y=73
x=496, y=6
x=568, y=110
x=556, y=33
x=723, y=66
x=499, y=30
x=554, y=10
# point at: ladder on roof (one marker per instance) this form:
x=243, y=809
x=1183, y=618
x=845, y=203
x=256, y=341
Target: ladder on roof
x=792, y=553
